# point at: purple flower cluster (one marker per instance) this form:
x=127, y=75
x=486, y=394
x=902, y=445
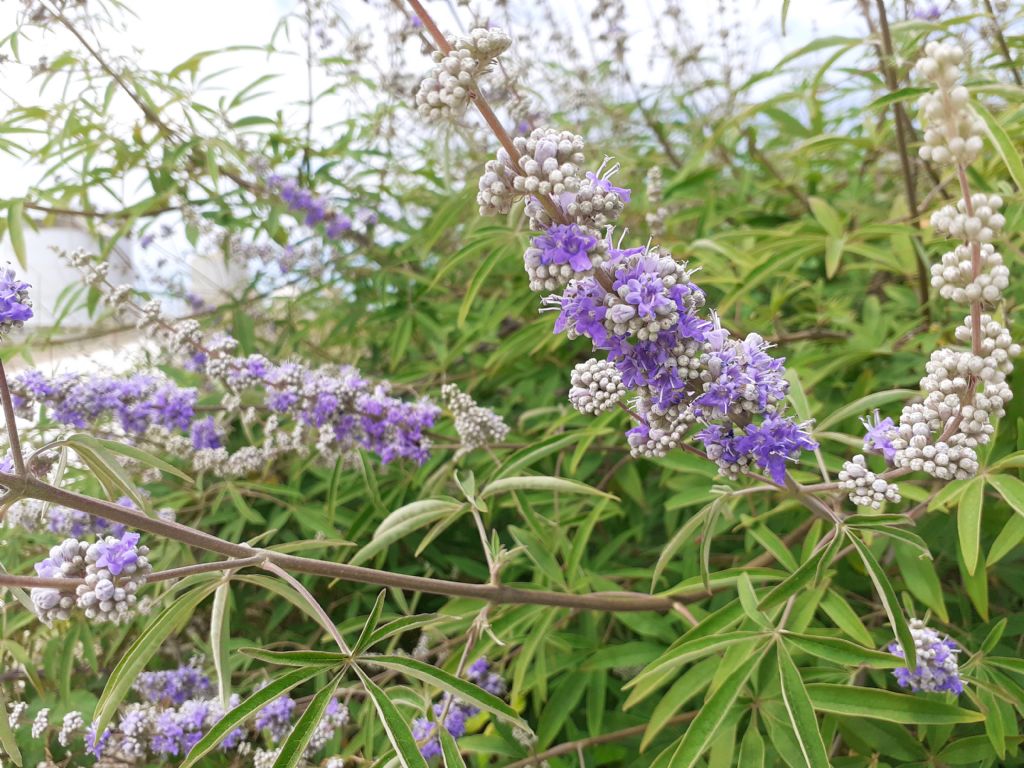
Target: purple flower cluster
x=640, y=307
x=334, y=407
x=173, y=686
x=938, y=670
x=136, y=402
x=178, y=706
x=424, y=730
x=15, y=305
x=276, y=717
x=314, y=209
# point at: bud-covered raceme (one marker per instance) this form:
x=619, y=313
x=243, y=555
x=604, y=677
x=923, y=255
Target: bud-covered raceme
x=965, y=387
x=477, y=427
x=866, y=489
x=596, y=386
x=444, y=94
x=952, y=131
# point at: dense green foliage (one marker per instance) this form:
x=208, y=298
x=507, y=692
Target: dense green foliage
x=794, y=207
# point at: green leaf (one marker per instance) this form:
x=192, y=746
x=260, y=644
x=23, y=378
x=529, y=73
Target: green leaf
x=131, y=452
x=295, y=745
x=921, y=579
x=833, y=254
x=679, y=538
x=888, y=597
x=690, y=651
x=751, y=749
x=1007, y=540
x=319, y=659
x=877, y=704
x=864, y=406
x=844, y=652
x=827, y=217
x=403, y=624
x=450, y=750
x=395, y=727
x=801, y=714
x=366, y=634
x=404, y=521
x=139, y=654
x=220, y=633
x=7, y=740
x=710, y=717
x=968, y=522
x=16, y=227
x=1011, y=489
x=246, y=709
x=463, y=689
x=541, y=483
x=1003, y=143
x=686, y=686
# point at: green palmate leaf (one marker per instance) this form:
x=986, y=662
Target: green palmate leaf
x=540, y=483
x=319, y=659
x=463, y=689
x=921, y=579
x=246, y=709
x=968, y=522
x=1004, y=145
x=142, y=650
x=800, y=712
x=450, y=750
x=844, y=652
x=295, y=745
x=395, y=726
x=710, y=717
x=877, y=704
x=888, y=597
x=365, y=635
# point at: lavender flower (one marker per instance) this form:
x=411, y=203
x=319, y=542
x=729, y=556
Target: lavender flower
x=314, y=210
x=276, y=717
x=173, y=686
x=117, y=554
x=15, y=305
x=879, y=434
x=424, y=730
x=937, y=668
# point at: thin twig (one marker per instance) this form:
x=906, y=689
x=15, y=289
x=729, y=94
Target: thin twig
x=12, y=427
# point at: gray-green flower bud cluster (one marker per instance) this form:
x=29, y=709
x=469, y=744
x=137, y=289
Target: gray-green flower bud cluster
x=444, y=94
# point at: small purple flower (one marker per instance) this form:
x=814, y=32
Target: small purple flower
x=338, y=225
x=566, y=244
x=276, y=717
x=117, y=554
x=879, y=434
x=205, y=434
x=774, y=442
x=15, y=305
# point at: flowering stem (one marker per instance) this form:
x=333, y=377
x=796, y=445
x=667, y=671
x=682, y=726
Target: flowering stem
x=484, y=109
x=965, y=192
x=12, y=427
